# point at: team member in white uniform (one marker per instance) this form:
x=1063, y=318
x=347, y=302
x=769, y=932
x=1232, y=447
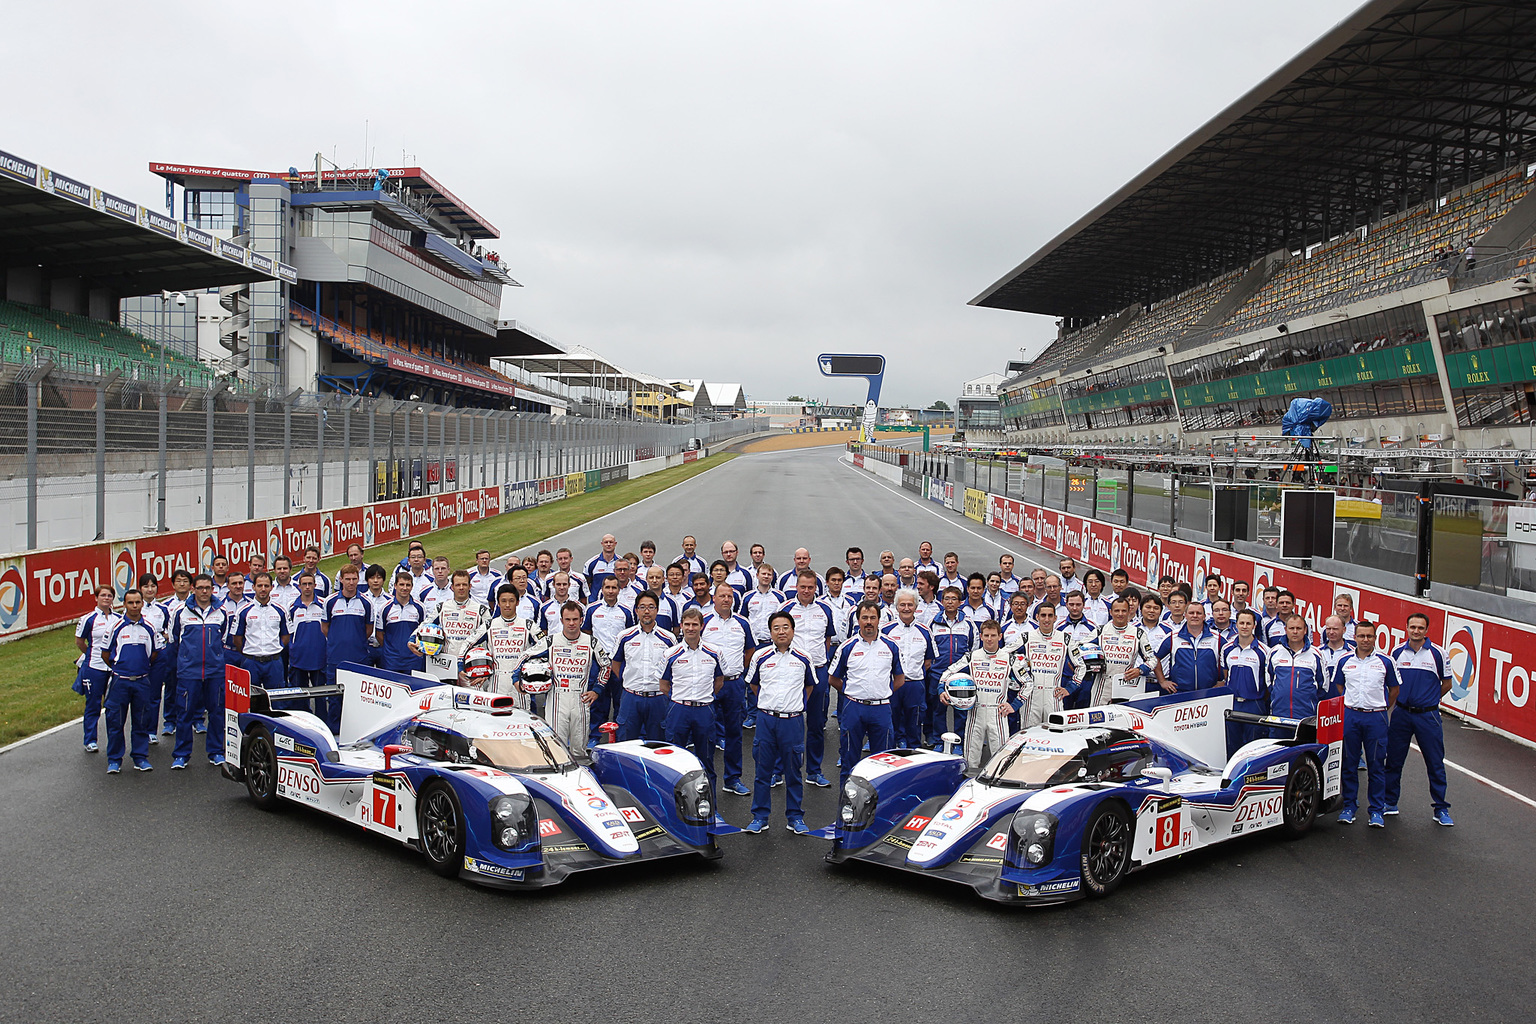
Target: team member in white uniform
x=285, y=590
x=323, y=583
x=951, y=577
x=1011, y=583
x=484, y=580
x=928, y=605
x=1069, y=580
x=1018, y=623
x=761, y=603
x=740, y=577
x=866, y=670
x=1126, y=649
x=1095, y=607
x=692, y=563
x=441, y=588
x=691, y=676
x=782, y=678
x=917, y=653
x=638, y=659
x=580, y=593
x=730, y=636
x=990, y=667
x=814, y=633
x=507, y=635
x=840, y=601
x=629, y=587
x=1046, y=662
x=575, y=662
x=605, y=620
x=92, y=634
x=560, y=592
x=462, y=618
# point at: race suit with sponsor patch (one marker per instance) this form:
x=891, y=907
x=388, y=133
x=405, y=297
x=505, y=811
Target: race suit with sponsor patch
x=461, y=623
x=1044, y=662
x=987, y=724
x=507, y=641
x=1123, y=649
x=574, y=667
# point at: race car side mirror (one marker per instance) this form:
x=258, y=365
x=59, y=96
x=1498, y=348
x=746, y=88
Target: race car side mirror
x=609, y=731
x=1163, y=775
x=391, y=749
x=951, y=741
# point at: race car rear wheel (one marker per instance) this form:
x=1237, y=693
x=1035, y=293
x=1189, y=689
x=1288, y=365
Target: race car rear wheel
x=441, y=821
x=260, y=763
x=1303, y=796
x=1106, y=848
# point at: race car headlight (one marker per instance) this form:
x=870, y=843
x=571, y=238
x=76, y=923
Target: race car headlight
x=1034, y=836
x=857, y=804
x=512, y=820
x=692, y=796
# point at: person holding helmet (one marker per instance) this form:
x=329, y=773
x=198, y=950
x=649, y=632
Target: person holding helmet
x=1124, y=648
x=395, y=624
x=477, y=669
x=462, y=618
x=507, y=637
x=989, y=669
x=1045, y=667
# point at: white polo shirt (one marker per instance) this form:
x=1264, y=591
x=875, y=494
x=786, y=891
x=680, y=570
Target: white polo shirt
x=781, y=678
x=728, y=636
x=1365, y=679
x=263, y=626
x=866, y=667
x=642, y=656
x=692, y=672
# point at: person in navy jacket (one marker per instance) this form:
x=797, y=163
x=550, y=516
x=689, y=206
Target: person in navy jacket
x=1298, y=675
x=1189, y=654
x=1425, y=676
x=349, y=622
x=131, y=651
x=197, y=630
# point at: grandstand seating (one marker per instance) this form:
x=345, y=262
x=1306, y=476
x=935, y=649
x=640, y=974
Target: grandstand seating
x=1167, y=320
x=78, y=344
x=1401, y=251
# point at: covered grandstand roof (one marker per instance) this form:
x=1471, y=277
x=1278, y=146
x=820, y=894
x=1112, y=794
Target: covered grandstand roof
x=74, y=229
x=1401, y=101
x=570, y=365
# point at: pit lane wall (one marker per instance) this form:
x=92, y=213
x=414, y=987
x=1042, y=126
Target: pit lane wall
x=1492, y=660
x=42, y=589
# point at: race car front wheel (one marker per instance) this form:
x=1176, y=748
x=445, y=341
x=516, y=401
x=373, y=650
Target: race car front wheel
x=1106, y=848
x=441, y=821
x=1303, y=794
x=261, y=769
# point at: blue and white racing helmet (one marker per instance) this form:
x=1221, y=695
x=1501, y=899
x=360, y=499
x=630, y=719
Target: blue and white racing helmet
x=429, y=638
x=962, y=692
x=1093, y=655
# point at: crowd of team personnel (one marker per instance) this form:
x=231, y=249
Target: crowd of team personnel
x=693, y=652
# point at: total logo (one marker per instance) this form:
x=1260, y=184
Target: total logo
x=367, y=528
x=1463, y=641
x=207, y=549
x=274, y=539
x=405, y=520
x=327, y=536
x=13, y=596
x=124, y=570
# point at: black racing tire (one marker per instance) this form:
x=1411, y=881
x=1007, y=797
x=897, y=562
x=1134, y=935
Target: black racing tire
x=440, y=819
x=259, y=763
x=1107, y=842
x=1303, y=798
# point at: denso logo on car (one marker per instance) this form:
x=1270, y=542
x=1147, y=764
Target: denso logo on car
x=1185, y=714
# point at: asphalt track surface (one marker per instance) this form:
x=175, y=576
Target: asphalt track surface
x=165, y=897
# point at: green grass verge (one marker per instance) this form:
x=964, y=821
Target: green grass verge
x=35, y=671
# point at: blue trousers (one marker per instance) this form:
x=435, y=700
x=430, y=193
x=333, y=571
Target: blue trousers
x=135, y=696
x=607, y=707
x=1365, y=730
x=730, y=708
x=694, y=730
x=269, y=676
x=94, y=681
x=777, y=747
x=329, y=708
x=908, y=706
x=1425, y=728
x=163, y=699
x=816, y=724
x=1239, y=733
x=643, y=717
x=750, y=719
x=936, y=711
x=194, y=696
x=857, y=723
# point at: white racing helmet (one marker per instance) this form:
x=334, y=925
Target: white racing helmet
x=962, y=692
x=478, y=665
x=533, y=672
x=429, y=638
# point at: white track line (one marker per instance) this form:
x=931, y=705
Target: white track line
x=1484, y=780
x=928, y=506
x=39, y=735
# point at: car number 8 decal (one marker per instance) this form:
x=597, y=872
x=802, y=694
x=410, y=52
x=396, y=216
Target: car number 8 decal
x=1167, y=833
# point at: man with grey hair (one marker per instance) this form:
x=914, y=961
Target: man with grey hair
x=916, y=646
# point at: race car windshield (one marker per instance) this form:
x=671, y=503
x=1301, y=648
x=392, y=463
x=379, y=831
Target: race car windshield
x=1031, y=769
x=528, y=751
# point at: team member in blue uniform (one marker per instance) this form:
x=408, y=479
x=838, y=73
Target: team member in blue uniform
x=690, y=559
x=160, y=670
x=866, y=670
x=235, y=600
x=323, y=585
x=916, y=645
x=1298, y=675
x=483, y=580
x=1425, y=676
x=181, y=589
x=691, y=676
x=395, y=623
x=1245, y=671
x=638, y=658
x=758, y=606
x=378, y=599
x=219, y=572
x=131, y=651
x=783, y=679
x=730, y=636
x=349, y=621
x=197, y=629
x=1219, y=616
x=307, y=625
x=814, y=635
x=1275, y=630
x=953, y=637
x=91, y=635
x=737, y=575
x=790, y=580
x=605, y=619
x=261, y=632
x=1189, y=654
x=600, y=566
x=1368, y=680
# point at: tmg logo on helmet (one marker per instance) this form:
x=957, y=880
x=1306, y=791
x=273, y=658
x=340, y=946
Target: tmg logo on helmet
x=1464, y=641
x=13, y=597
x=125, y=566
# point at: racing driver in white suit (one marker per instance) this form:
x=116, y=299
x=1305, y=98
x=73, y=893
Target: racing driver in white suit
x=576, y=661
x=508, y=636
x=1126, y=647
x=989, y=667
x=1038, y=664
x=462, y=618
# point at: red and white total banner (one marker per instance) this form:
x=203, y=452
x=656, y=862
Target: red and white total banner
x=1492, y=659
x=45, y=588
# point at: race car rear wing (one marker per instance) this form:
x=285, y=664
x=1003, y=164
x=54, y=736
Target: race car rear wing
x=1303, y=730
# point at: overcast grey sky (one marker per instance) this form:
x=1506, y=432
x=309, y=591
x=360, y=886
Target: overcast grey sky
x=717, y=190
